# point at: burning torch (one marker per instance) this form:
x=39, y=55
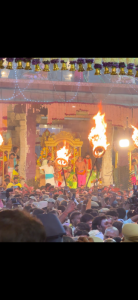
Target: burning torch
x=62, y=159
x=98, y=138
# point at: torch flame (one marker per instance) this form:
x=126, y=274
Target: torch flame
x=1, y=139
x=62, y=156
x=97, y=136
x=135, y=136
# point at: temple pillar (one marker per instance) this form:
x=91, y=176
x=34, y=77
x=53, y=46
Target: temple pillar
x=22, y=164
x=107, y=174
x=31, y=138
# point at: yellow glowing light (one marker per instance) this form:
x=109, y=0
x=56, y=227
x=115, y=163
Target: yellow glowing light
x=135, y=136
x=1, y=139
x=124, y=143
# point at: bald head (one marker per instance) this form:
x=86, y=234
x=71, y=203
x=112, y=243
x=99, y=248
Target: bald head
x=111, y=232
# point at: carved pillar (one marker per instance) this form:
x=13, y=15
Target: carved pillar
x=23, y=150
x=107, y=176
x=31, y=137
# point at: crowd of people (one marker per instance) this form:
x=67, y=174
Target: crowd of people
x=57, y=214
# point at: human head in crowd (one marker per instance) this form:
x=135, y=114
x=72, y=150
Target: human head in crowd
x=75, y=218
x=101, y=223
x=61, y=207
x=126, y=205
x=131, y=213
x=64, y=202
x=87, y=218
x=81, y=232
x=107, y=201
x=111, y=232
x=68, y=230
x=109, y=240
x=118, y=225
x=113, y=213
x=117, y=239
x=130, y=233
x=121, y=213
x=28, y=208
x=51, y=203
x=82, y=226
x=20, y=226
x=37, y=211
x=89, y=211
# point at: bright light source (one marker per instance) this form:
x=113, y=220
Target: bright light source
x=73, y=106
x=70, y=75
x=124, y=143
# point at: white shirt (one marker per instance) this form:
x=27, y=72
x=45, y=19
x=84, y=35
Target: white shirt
x=44, y=162
x=48, y=170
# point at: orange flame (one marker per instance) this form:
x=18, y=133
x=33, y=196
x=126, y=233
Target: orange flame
x=1, y=139
x=97, y=136
x=62, y=156
x=135, y=136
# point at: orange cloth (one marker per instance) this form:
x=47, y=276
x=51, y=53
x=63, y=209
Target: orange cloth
x=89, y=163
x=81, y=172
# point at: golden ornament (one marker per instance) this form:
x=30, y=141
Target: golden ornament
x=37, y=68
x=122, y=72
x=81, y=69
x=46, y=68
x=64, y=67
x=136, y=74
x=9, y=66
x=114, y=71
x=130, y=72
x=106, y=70
x=19, y=65
x=1, y=64
x=72, y=68
x=97, y=72
x=28, y=67
x=89, y=67
x=55, y=67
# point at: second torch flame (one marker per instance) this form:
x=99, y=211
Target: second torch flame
x=97, y=136
x=135, y=136
x=62, y=156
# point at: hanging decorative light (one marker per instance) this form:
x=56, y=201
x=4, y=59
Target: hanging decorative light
x=55, y=62
x=64, y=64
x=72, y=62
x=130, y=66
x=122, y=65
x=27, y=60
x=36, y=62
x=1, y=63
x=106, y=65
x=46, y=62
x=115, y=65
x=97, y=66
x=19, y=63
x=89, y=62
x=136, y=66
x=10, y=61
x=80, y=62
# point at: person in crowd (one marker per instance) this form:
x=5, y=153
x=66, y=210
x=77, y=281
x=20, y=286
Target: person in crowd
x=10, y=164
x=81, y=172
x=49, y=172
x=71, y=179
x=15, y=183
x=88, y=163
x=20, y=226
x=16, y=157
x=74, y=220
x=87, y=218
x=118, y=225
x=82, y=226
x=68, y=230
x=111, y=232
x=126, y=206
x=121, y=213
x=100, y=223
x=51, y=203
x=113, y=213
x=81, y=233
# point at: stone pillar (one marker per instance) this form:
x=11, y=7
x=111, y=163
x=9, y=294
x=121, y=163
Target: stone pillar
x=107, y=176
x=31, y=138
x=23, y=150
